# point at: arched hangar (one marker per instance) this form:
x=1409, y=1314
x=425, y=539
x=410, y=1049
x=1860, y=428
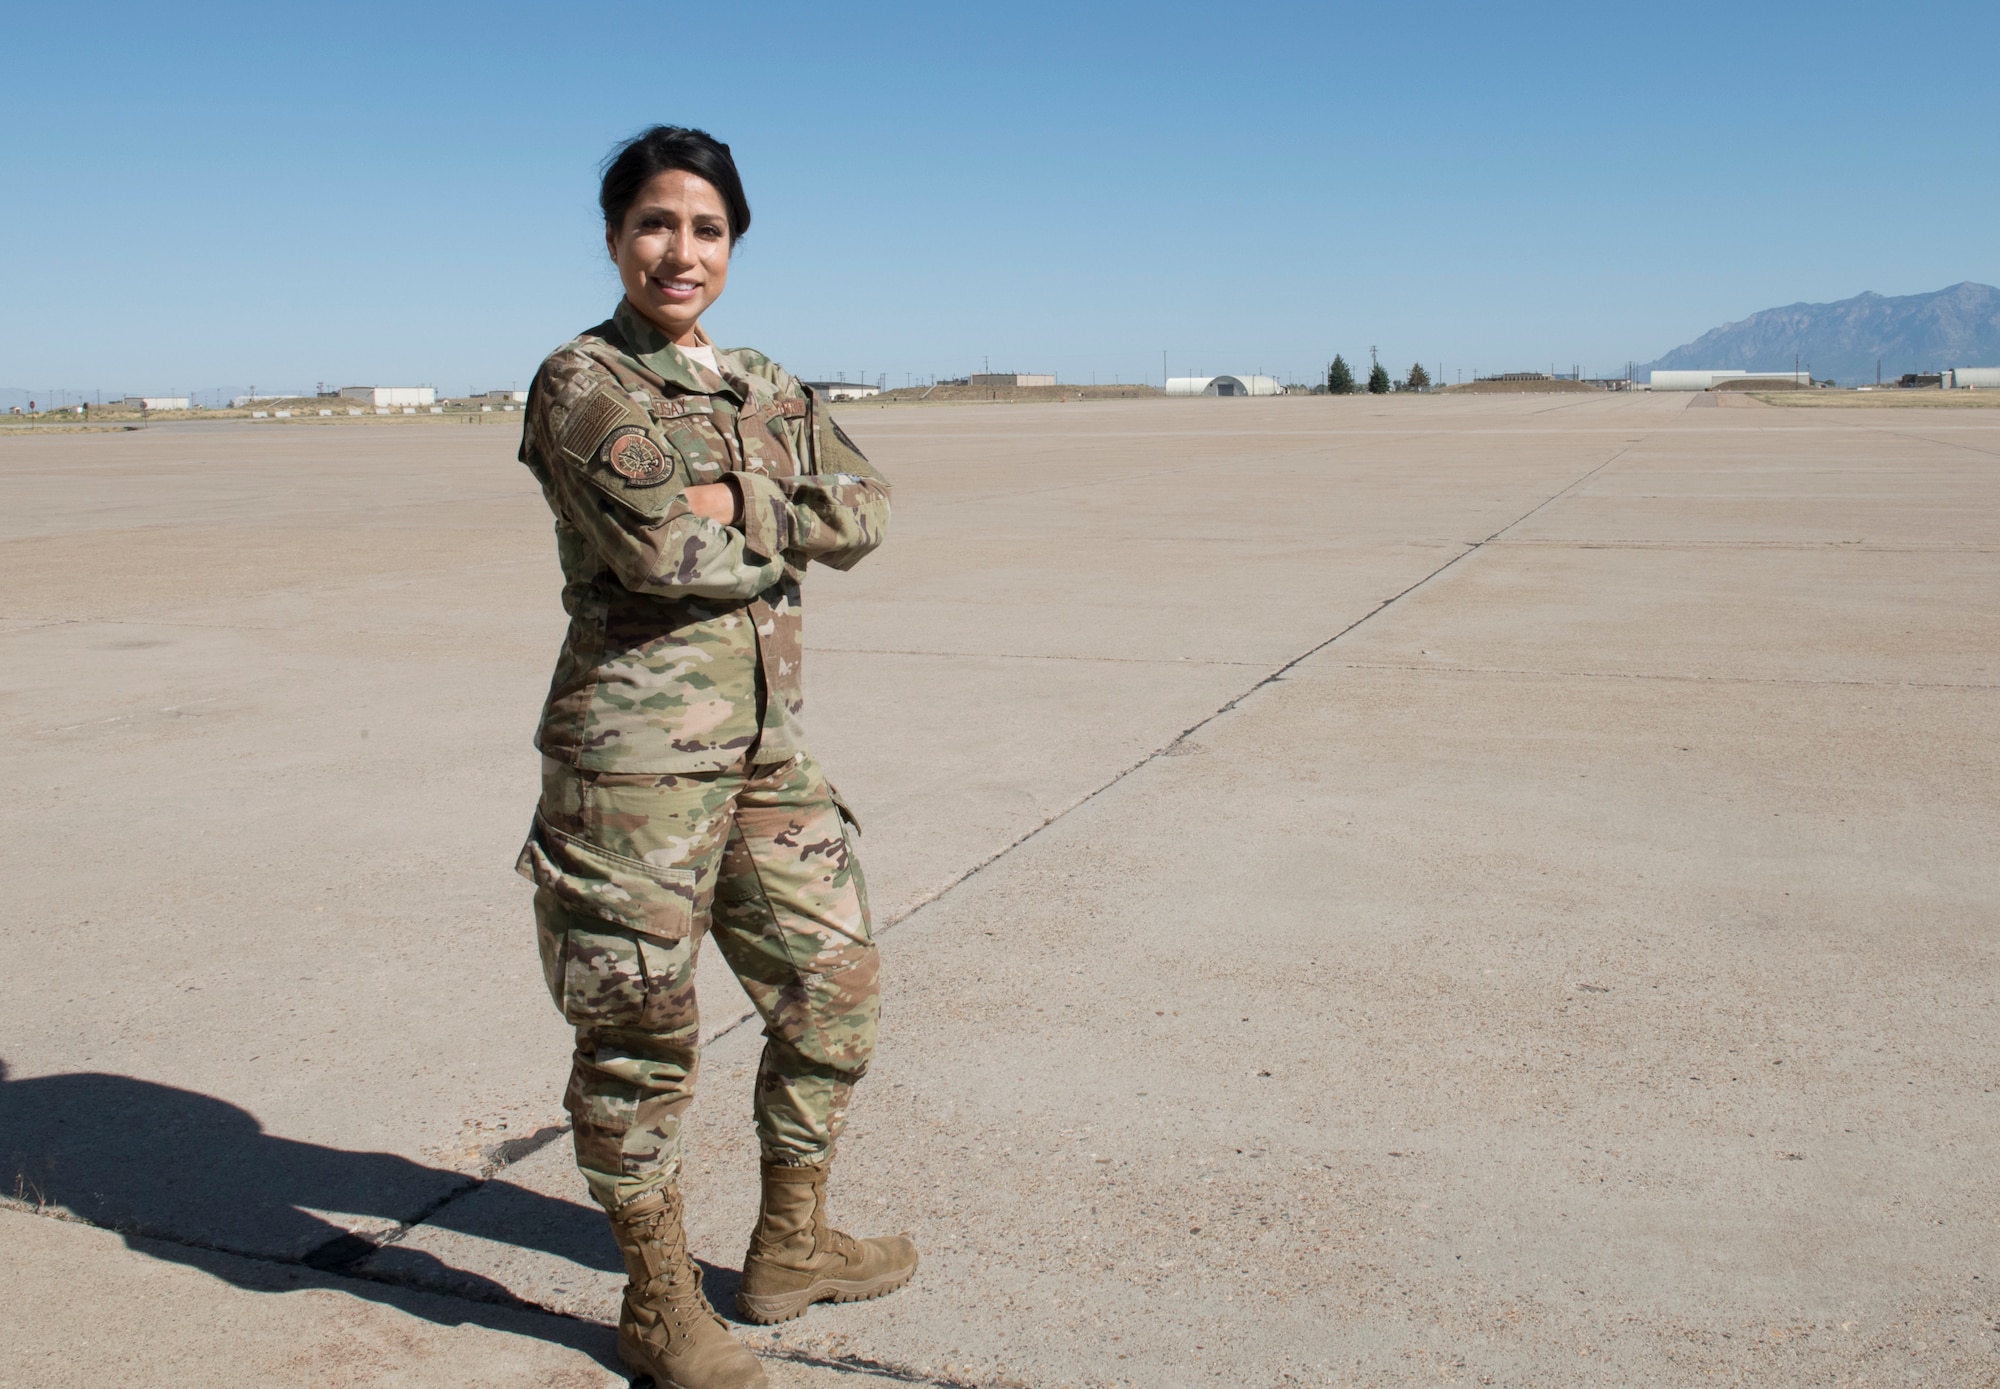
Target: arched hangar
x=1224, y=385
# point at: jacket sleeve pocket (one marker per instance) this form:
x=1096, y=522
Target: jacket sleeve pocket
x=652, y=901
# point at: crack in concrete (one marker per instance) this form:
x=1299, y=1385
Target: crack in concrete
x=1925, y=439
x=40, y=623
x=503, y=1300
x=1567, y=405
x=918, y=903
x=69, y=428
x=1799, y=680
x=1474, y=548
x=1858, y=546
x=339, y=1257
x=177, y=710
x=880, y=1369
x=1028, y=656
x=341, y=1253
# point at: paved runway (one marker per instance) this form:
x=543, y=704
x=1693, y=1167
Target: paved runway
x=1451, y=889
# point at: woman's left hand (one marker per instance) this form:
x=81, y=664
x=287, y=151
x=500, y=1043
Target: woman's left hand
x=716, y=501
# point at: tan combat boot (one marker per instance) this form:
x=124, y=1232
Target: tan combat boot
x=667, y=1329
x=795, y=1260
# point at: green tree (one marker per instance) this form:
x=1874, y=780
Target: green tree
x=1339, y=377
x=1378, y=380
x=1420, y=379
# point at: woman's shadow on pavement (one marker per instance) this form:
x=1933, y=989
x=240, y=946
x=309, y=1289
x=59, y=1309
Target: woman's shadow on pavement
x=188, y=1177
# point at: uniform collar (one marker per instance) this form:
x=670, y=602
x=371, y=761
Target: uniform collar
x=650, y=346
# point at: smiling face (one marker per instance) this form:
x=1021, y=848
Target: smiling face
x=672, y=252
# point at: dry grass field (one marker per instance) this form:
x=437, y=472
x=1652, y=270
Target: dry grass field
x=307, y=412
x=1010, y=395
x=1520, y=388
x=1883, y=399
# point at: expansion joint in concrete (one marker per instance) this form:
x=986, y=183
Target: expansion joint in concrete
x=917, y=904
x=1027, y=656
x=341, y=1254
x=1947, y=443
x=340, y=1257
x=1670, y=677
x=1947, y=547
x=179, y=711
x=868, y=1365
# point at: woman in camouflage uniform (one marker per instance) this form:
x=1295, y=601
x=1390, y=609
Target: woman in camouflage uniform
x=690, y=488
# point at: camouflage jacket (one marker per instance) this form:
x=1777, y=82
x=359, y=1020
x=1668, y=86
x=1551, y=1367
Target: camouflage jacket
x=684, y=643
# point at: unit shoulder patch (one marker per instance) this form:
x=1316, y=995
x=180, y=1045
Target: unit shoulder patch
x=633, y=456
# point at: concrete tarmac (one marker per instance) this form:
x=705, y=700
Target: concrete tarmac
x=1467, y=890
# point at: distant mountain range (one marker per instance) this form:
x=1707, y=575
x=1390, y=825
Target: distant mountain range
x=1955, y=327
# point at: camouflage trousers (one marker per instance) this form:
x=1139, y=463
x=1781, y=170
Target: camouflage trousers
x=631, y=871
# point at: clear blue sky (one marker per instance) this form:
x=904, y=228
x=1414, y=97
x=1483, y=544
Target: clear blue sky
x=216, y=196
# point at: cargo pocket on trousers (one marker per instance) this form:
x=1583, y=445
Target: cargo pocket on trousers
x=850, y=825
x=605, y=925
x=840, y=804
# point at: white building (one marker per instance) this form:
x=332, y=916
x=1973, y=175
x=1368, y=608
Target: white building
x=380, y=396
x=844, y=390
x=1008, y=378
x=1224, y=385
x=1707, y=380
x=1973, y=379
x=155, y=402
